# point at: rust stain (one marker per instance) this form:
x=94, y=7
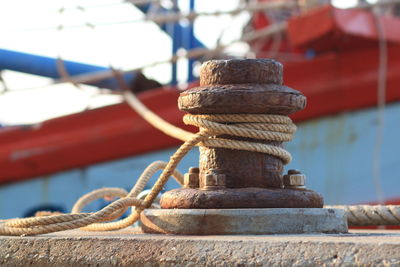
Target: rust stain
x=235, y=178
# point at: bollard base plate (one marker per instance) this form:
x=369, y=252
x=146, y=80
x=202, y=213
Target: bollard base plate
x=240, y=198
x=244, y=221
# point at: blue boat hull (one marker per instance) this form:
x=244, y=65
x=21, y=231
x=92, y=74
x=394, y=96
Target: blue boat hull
x=337, y=154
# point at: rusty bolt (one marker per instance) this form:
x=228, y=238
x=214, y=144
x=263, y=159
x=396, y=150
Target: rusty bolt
x=214, y=180
x=191, y=179
x=294, y=179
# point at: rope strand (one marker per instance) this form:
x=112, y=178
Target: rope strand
x=256, y=126
x=279, y=129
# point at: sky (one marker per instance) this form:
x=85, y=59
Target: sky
x=33, y=29
x=31, y=26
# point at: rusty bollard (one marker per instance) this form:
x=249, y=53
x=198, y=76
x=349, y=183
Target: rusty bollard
x=234, y=178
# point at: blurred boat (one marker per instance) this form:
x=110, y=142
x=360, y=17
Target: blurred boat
x=345, y=144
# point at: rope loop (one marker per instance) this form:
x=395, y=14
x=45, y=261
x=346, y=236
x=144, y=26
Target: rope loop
x=263, y=127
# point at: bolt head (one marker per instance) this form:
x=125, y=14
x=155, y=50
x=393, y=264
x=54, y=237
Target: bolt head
x=191, y=180
x=294, y=180
x=213, y=181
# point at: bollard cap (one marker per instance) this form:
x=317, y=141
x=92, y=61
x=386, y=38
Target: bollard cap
x=241, y=86
x=241, y=71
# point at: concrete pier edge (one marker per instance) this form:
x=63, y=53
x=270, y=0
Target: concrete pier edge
x=129, y=247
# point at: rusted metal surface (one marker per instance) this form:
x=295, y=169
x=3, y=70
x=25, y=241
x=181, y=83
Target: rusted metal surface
x=294, y=179
x=242, y=168
x=191, y=179
x=241, y=198
x=242, y=98
x=232, y=87
x=241, y=71
x=214, y=180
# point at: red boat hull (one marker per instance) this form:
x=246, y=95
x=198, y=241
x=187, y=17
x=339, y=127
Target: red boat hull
x=336, y=81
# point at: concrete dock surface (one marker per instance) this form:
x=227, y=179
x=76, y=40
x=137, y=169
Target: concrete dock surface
x=130, y=247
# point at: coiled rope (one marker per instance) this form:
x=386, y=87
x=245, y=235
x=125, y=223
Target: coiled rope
x=258, y=126
x=255, y=126
x=358, y=215
x=48, y=224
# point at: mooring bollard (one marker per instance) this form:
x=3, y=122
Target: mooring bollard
x=253, y=179
x=241, y=91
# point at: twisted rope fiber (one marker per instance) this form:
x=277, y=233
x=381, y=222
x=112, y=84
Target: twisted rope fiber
x=362, y=215
x=89, y=221
x=256, y=126
x=280, y=128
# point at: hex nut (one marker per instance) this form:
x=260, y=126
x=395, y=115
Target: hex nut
x=214, y=181
x=294, y=180
x=191, y=180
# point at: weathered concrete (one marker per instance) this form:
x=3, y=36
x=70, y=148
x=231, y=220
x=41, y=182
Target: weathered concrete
x=129, y=248
x=243, y=221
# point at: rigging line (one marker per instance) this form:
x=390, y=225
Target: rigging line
x=76, y=26
x=143, y=2
x=283, y=55
x=275, y=45
x=223, y=32
x=176, y=16
x=60, y=64
x=134, y=2
x=63, y=71
x=252, y=8
x=3, y=83
x=147, y=114
x=85, y=7
x=193, y=53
